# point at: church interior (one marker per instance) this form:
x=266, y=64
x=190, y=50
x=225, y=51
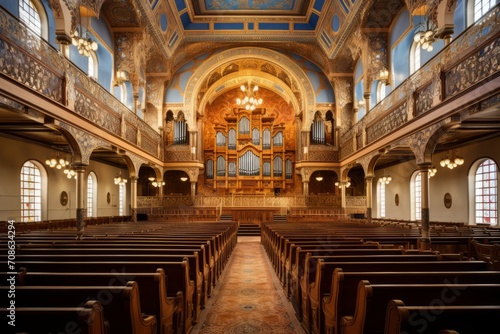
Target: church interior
x=250, y=162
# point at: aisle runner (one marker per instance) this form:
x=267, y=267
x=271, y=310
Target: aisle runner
x=249, y=298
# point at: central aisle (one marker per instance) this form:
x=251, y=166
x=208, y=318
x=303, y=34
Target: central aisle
x=249, y=298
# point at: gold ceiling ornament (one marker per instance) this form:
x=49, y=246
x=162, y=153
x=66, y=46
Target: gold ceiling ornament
x=250, y=101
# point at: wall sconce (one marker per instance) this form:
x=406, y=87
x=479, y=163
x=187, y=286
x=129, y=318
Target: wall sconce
x=155, y=183
x=184, y=178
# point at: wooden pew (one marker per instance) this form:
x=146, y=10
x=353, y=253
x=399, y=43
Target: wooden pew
x=372, y=301
x=300, y=284
x=87, y=319
x=122, y=309
x=179, y=286
x=331, y=295
x=180, y=249
x=441, y=319
x=195, y=275
x=152, y=287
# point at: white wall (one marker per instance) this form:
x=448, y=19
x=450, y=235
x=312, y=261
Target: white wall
x=13, y=154
x=454, y=182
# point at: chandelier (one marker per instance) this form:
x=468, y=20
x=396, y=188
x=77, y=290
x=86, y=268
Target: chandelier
x=250, y=101
x=432, y=171
x=155, y=183
x=70, y=173
x=425, y=38
x=346, y=184
x=385, y=179
x=120, y=180
x=452, y=162
x=57, y=162
x=83, y=42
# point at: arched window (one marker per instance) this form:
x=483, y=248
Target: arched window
x=209, y=172
x=91, y=195
x=415, y=57
x=381, y=199
x=33, y=15
x=381, y=91
x=92, y=64
x=416, y=196
x=122, y=192
x=31, y=192
x=486, y=192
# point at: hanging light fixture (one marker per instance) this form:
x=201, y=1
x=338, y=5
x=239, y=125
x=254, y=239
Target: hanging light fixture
x=432, y=171
x=184, y=178
x=70, y=173
x=57, y=162
x=343, y=184
x=250, y=101
x=81, y=39
x=384, y=75
x=155, y=183
x=120, y=180
x=452, y=162
x=425, y=37
x=385, y=179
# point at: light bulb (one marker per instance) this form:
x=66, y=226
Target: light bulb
x=243, y=88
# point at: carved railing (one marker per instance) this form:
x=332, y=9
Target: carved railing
x=452, y=71
x=242, y=200
x=35, y=64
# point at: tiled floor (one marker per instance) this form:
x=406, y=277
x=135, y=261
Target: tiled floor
x=249, y=298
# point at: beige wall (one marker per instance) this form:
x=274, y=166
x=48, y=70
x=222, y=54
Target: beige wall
x=14, y=154
x=455, y=182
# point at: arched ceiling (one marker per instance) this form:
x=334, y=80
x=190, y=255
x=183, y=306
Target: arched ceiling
x=314, y=29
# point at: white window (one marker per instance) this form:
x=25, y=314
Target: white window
x=91, y=195
x=92, y=64
x=381, y=91
x=481, y=7
x=381, y=199
x=122, y=190
x=29, y=14
x=486, y=192
x=415, y=57
x=31, y=193
x=416, y=196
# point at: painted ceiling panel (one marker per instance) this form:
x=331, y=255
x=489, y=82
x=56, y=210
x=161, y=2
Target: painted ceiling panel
x=246, y=7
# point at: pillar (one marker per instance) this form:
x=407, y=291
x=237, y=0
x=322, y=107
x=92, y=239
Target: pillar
x=342, y=195
x=193, y=188
x=305, y=187
x=425, y=239
x=369, y=197
x=81, y=210
x=133, y=199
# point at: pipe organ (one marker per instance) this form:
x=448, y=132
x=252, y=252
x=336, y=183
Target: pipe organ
x=249, y=154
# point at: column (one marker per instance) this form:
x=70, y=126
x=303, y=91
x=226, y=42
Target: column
x=305, y=187
x=81, y=210
x=133, y=198
x=193, y=189
x=369, y=199
x=425, y=239
x=342, y=195
x=193, y=142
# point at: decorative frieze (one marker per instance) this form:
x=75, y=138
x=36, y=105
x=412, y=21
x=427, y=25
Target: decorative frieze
x=423, y=100
x=386, y=124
